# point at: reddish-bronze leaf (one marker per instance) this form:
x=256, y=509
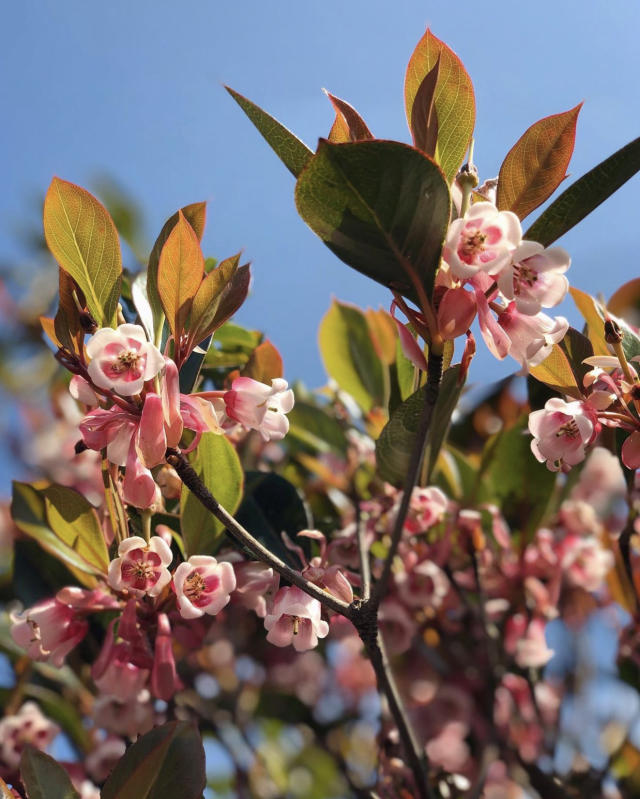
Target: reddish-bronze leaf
x=355, y=125
x=424, y=117
x=537, y=163
x=383, y=334
x=339, y=133
x=265, y=363
x=180, y=273
x=49, y=329
x=67, y=318
x=454, y=99
x=207, y=300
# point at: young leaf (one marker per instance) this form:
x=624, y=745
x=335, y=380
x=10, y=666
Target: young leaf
x=349, y=355
x=339, y=133
x=67, y=319
x=454, y=100
x=84, y=241
x=355, y=124
x=43, y=778
x=591, y=314
x=556, y=372
x=196, y=216
x=586, y=194
x=180, y=273
x=393, y=447
x=625, y=302
x=166, y=762
x=383, y=333
x=219, y=296
x=264, y=364
x=293, y=153
x=537, y=163
x=217, y=463
x=382, y=207
x=424, y=117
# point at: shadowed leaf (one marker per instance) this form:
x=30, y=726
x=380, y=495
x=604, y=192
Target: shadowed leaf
x=424, y=117
x=356, y=127
x=207, y=299
x=537, y=163
x=43, y=777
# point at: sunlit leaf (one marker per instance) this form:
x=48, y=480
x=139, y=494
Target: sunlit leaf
x=537, y=163
x=586, y=194
x=555, y=371
x=43, y=777
x=264, y=364
x=454, y=99
x=349, y=355
x=293, y=153
x=315, y=428
x=166, y=762
x=625, y=302
x=84, y=241
x=356, y=126
x=380, y=206
x=218, y=466
x=383, y=334
x=589, y=309
x=207, y=298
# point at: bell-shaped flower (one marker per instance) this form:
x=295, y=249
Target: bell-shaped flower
x=295, y=619
x=631, y=451
x=48, y=631
x=535, y=277
x=122, y=360
x=164, y=677
x=532, y=337
x=119, y=671
x=561, y=431
x=203, y=585
x=259, y=407
x=141, y=568
x=482, y=241
x=456, y=312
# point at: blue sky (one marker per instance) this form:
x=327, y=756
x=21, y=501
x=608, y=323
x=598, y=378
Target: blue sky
x=134, y=90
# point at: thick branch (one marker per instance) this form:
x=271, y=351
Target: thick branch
x=432, y=390
x=193, y=482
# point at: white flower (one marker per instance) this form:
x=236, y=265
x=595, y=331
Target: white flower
x=122, y=359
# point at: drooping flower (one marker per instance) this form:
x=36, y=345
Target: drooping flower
x=203, y=585
x=535, y=277
x=456, y=312
x=561, y=431
x=295, y=619
x=532, y=337
x=122, y=359
x=119, y=671
x=260, y=407
x=141, y=568
x=164, y=677
x=482, y=241
x=48, y=631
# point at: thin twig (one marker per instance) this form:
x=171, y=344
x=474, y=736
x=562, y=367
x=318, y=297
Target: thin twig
x=363, y=553
x=431, y=392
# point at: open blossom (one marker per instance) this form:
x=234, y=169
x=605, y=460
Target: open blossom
x=203, y=585
x=48, y=631
x=532, y=337
x=561, y=431
x=259, y=407
x=27, y=726
x=122, y=359
x=141, y=568
x=482, y=241
x=295, y=619
x=535, y=277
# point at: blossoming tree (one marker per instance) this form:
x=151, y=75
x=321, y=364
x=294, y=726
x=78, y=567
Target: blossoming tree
x=225, y=554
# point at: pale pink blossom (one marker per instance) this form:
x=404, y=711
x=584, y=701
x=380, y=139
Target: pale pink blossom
x=122, y=360
x=482, y=241
x=120, y=670
x=80, y=390
x=257, y=406
x=256, y=584
x=48, y=631
x=295, y=619
x=424, y=585
x=101, y=760
x=631, y=451
x=141, y=568
x=535, y=277
x=130, y=718
x=561, y=431
x=584, y=561
x=203, y=585
x=532, y=337
x=427, y=507
x=396, y=625
x=410, y=347
x=525, y=640
x=456, y=312
x=27, y=726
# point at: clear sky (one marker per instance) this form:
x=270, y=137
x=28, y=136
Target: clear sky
x=134, y=90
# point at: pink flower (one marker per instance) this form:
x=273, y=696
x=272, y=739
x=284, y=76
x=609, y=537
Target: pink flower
x=259, y=407
x=532, y=337
x=120, y=671
x=424, y=585
x=631, y=451
x=203, y=585
x=295, y=619
x=141, y=568
x=456, y=312
x=81, y=390
x=428, y=507
x=48, y=631
x=535, y=277
x=27, y=726
x=256, y=583
x=482, y=241
x=561, y=431
x=525, y=640
x=122, y=359
x=164, y=678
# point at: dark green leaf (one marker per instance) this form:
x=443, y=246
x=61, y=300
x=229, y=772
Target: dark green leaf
x=166, y=763
x=382, y=207
x=293, y=153
x=577, y=347
x=586, y=194
x=313, y=426
x=43, y=777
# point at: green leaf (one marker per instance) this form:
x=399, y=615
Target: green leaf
x=395, y=444
x=84, y=241
x=43, y=778
x=594, y=319
x=454, y=99
x=271, y=505
x=349, y=355
x=537, y=163
x=314, y=427
x=218, y=466
x=35, y=514
x=556, y=372
x=293, y=153
x=167, y=762
x=586, y=194
x=382, y=207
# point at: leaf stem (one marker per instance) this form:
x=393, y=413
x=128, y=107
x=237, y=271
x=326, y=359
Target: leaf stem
x=363, y=554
